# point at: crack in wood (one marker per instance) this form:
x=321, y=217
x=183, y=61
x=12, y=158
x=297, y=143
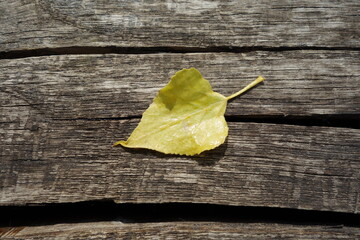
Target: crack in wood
x=342, y=121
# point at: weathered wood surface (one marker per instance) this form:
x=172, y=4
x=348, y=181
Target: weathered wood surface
x=52, y=161
x=59, y=115
x=52, y=24
x=180, y=230
x=57, y=131
x=299, y=83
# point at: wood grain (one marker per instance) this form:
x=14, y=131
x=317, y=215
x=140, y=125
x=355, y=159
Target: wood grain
x=57, y=130
x=180, y=230
x=26, y=25
x=273, y=165
x=59, y=115
x=298, y=83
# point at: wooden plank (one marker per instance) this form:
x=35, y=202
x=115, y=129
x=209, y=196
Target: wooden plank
x=56, y=138
x=28, y=25
x=180, y=230
x=299, y=83
x=55, y=161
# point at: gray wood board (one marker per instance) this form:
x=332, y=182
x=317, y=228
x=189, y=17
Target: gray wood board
x=180, y=230
x=298, y=83
x=28, y=24
x=272, y=165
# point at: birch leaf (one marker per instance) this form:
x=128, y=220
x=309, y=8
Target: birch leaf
x=185, y=118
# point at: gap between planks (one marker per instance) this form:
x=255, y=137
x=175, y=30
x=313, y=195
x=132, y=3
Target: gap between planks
x=16, y=54
x=102, y=210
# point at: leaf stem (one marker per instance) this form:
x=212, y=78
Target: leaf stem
x=251, y=85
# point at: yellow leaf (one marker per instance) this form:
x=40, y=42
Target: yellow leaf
x=186, y=117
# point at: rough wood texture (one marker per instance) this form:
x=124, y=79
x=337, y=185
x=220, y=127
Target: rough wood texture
x=28, y=24
x=59, y=115
x=52, y=161
x=180, y=230
x=56, y=133
x=299, y=83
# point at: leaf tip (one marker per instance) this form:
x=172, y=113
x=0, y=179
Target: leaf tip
x=122, y=143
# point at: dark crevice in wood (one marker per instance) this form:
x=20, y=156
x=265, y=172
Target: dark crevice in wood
x=343, y=121
x=95, y=211
x=153, y=50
